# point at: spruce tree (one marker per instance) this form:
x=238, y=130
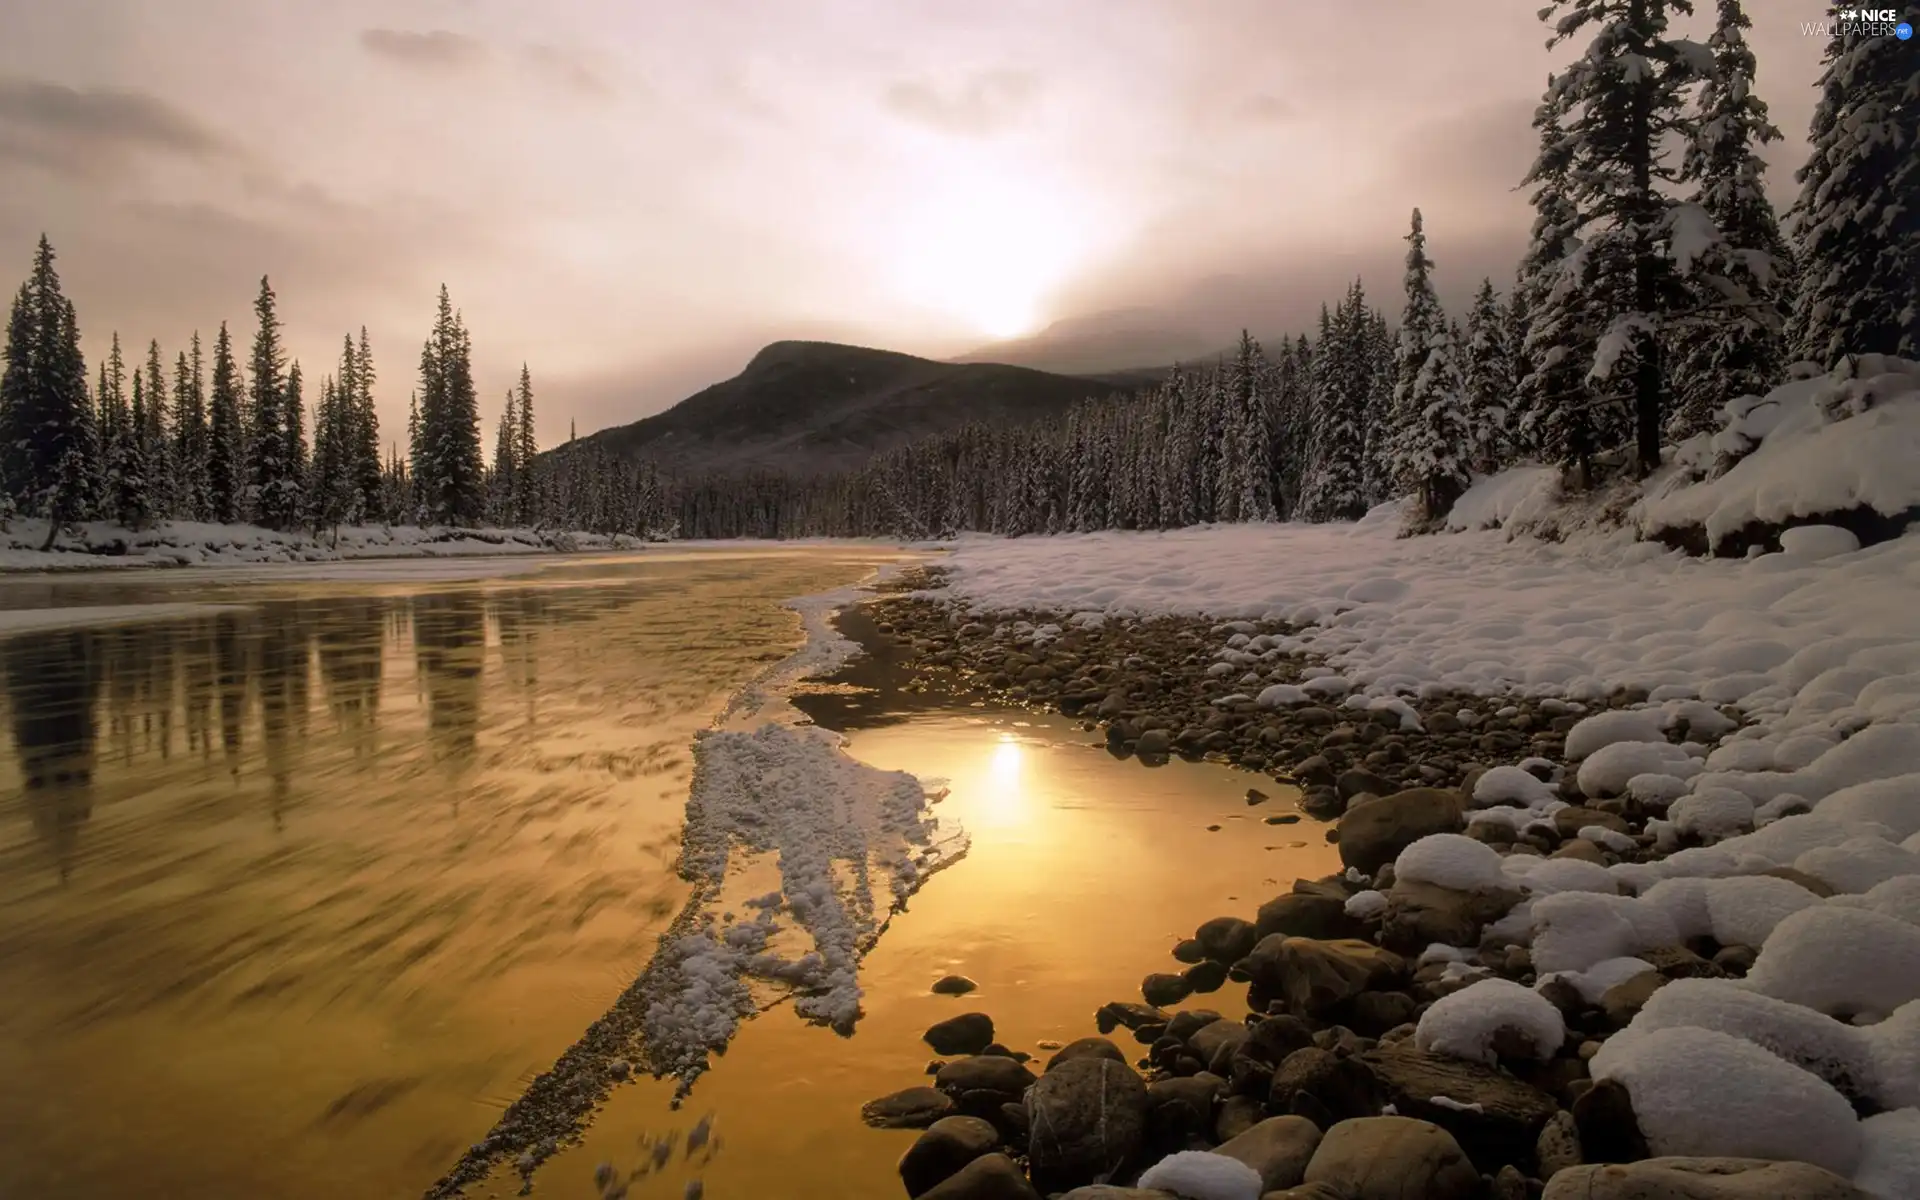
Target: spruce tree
x=132, y=494
x=452, y=473
x=1489, y=380
x=505, y=450
x=364, y=424
x=155, y=445
x=226, y=452
x=1625, y=101
x=1251, y=471
x=293, y=502
x=1734, y=345
x=47, y=447
x=1430, y=429
x=415, y=501
x=526, y=451
x=272, y=488
x=1857, y=221
x=1332, y=487
x=191, y=441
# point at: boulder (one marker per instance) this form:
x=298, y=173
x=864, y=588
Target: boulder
x=953, y=985
x=1393, y=1158
x=1215, y=1043
x=1279, y=1148
x=1342, y=1086
x=1701, y=1179
x=968, y=1033
x=1087, y=1047
x=1107, y=1191
x=980, y=1085
x=1558, y=1146
x=948, y=1145
x=1121, y=1014
x=1189, y=1021
x=1160, y=990
x=1419, y=914
x=1203, y=977
x=1315, y=977
x=1226, y=939
x=1374, y=1013
x=1609, y=1131
x=1299, y=914
x=1085, y=1119
x=1237, y=1115
x=1493, y=1116
x=1180, y=1111
x=913, y=1108
x=989, y=1177
x=1373, y=834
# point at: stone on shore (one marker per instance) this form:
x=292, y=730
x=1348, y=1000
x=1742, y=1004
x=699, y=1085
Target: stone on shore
x=1701, y=1179
x=1393, y=1158
x=989, y=1177
x=968, y=1033
x=948, y=1145
x=1085, y=1119
x=1373, y=834
x=912, y=1108
x=1278, y=1148
x=1315, y=977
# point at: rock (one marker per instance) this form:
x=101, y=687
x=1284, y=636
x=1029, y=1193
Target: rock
x=1087, y=1047
x=1342, y=1087
x=1314, y=771
x=1307, y=1191
x=1609, y=1132
x=1558, y=1146
x=1322, y=803
x=948, y=1145
x=1393, y=1158
x=1283, y=819
x=1678, y=962
x=1357, y=782
x=953, y=985
x=1152, y=743
x=1299, y=914
x=1314, y=977
x=1278, y=1036
x=1189, y=951
x=1189, y=1021
x=1279, y=1148
x=1160, y=990
x=1419, y=914
x=1510, y=1114
x=1374, y=1013
x=989, y=1177
x=1001, y=1078
x=1570, y=821
x=1735, y=960
x=1204, y=977
x=1180, y=1111
x=1215, y=1044
x=1508, y=1184
x=1085, y=1119
x=914, y=1108
x=968, y=1033
x=1107, y=1191
x=1120, y=1014
x=1701, y=1179
x=1373, y=834
x=1256, y=796
x=1226, y=939
x=1237, y=1115
x=1621, y=1001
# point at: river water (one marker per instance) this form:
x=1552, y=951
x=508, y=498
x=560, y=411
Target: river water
x=298, y=892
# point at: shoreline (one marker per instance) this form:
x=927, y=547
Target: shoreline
x=1354, y=1037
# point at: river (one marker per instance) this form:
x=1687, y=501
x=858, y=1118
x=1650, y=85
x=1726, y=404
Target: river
x=304, y=873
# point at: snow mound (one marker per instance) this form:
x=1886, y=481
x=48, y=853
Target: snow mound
x=1594, y=982
x=1506, y=499
x=1451, y=860
x=1573, y=931
x=1898, y=897
x=1859, y=864
x=1366, y=905
x=1280, y=695
x=1466, y=1023
x=1812, y=543
x=1895, y=1046
x=1893, y=802
x=1608, y=728
x=1890, y=1158
x=1814, y=1042
x=1843, y=961
x=1699, y=1092
x=1712, y=813
x=1511, y=785
x=1203, y=1175
x=1607, y=771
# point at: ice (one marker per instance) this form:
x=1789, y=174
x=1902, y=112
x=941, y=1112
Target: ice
x=1451, y=860
x=1840, y=960
x=1203, y=1175
x=1812, y=1041
x=1608, y=728
x=1465, y=1023
x=1890, y=1157
x=1703, y=1093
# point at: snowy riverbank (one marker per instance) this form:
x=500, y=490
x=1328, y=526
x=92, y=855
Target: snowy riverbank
x=1628, y=834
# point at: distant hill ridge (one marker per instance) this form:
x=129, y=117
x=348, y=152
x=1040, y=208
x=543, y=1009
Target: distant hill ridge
x=810, y=407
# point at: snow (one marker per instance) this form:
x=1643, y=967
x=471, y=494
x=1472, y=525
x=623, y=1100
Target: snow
x=1699, y=1092
x=1511, y=785
x=1609, y=769
x=1451, y=860
x=1812, y=543
x=1890, y=1157
x=1465, y=1023
x=1608, y=728
x=1203, y=1175
x=1656, y=790
x=1895, y=1046
x=1505, y=499
x=1840, y=960
x=1574, y=931
x=1281, y=695
x=1712, y=813
x=1814, y=1042
x=1859, y=864
x=841, y=831
x=1594, y=982
x=1366, y=905
x=1893, y=802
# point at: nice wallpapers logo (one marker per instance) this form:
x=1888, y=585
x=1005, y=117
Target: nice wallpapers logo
x=1860, y=22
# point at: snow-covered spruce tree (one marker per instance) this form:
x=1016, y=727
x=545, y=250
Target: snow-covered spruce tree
x=1331, y=488
x=1430, y=432
x=293, y=452
x=364, y=451
x=128, y=495
x=1377, y=346
x=268, y=498
x=1249, y=469
x=1734, y=345
x=526, y=491
x=155, y=443
x=329, y=485
x=45, y=446
x=1558, y=415
x=451, y=474
x=502, y=483
x=1521, y=425
x=1624, y=98
x=1857, y=220
x=1489, y=381
x=191, y=439
x=226, y=457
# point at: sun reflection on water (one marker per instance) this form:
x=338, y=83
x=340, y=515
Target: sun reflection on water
x=1003, y=792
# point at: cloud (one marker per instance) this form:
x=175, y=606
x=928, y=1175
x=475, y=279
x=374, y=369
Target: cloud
x=984, y=105
x=1265, y=108
x=436, y=49
x=566, y=70
x=85, y=132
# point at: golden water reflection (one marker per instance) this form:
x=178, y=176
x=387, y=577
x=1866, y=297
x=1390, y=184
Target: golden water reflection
x=1083, y=872
x=296, y=896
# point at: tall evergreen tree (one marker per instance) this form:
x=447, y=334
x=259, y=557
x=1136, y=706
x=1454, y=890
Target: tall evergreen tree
x=1489, y=380
x=1332, y=489
x=272, y=487
x=1250, y=474
x=505, y=473
x=153, y=434
x=1430, y=427
x=451, y=472
x=364, y=447
x=1625, y=100
x=46, y=448
x=1734, y=345
x=226, y=453
x=1857, y=221
x=191, y=440
x=526, y=451
x=293, y=454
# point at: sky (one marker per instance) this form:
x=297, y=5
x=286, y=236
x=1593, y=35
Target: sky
x=631, y=196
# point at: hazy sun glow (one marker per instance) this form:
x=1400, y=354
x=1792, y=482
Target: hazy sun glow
x=984, y=245
x=1005, y=800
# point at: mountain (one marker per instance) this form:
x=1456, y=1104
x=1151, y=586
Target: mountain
x=1118, y=340
x=820, y=406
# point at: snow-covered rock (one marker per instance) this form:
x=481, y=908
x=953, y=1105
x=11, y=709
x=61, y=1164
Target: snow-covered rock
x=1466, y=1023
x=1841, y=960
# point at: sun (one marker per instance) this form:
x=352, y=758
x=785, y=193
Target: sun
x=984, y=245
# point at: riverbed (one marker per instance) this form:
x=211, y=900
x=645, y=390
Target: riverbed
x=304, y=878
